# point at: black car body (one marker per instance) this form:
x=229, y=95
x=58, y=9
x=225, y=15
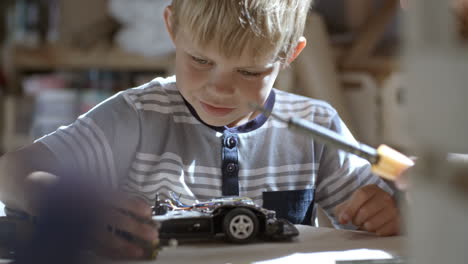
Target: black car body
x=238, y=218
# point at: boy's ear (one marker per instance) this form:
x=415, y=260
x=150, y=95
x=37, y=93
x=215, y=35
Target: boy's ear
x=298, y=49
x=168, y=21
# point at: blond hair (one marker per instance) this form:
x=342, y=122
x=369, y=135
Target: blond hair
x=264, y=26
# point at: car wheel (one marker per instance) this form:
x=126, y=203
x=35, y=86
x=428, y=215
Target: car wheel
x=240, y=225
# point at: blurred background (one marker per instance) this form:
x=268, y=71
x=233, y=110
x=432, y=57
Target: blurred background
x=61, y=57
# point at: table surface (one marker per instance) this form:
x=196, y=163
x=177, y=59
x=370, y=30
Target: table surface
x=312, y=245
x=322, y=244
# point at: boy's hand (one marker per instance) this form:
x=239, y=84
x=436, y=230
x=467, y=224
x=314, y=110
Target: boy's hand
x=128, y=231
x=371, y=209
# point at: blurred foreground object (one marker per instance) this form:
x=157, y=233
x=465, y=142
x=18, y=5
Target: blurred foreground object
x=68, y=214
x=14, y=234
x=75, y=221
x=436, y=66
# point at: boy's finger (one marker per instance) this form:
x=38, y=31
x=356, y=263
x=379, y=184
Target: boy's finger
x=389, y=229
x=140, y=207
x=379, y=220
x=357, y=200
x=366, y=213
x=135, y=205
x=116, y=247
x=339, y=213
x=123, y=220
x=380, y=201
x=137, y=227
x=134, y=240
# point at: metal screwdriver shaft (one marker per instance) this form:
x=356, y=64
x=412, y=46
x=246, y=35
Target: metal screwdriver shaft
x=325, y=135
x=386, y=162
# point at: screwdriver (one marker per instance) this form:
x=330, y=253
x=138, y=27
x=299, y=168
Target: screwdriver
x=386, y=162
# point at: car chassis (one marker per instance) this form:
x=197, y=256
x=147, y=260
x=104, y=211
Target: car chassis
x=239, y=219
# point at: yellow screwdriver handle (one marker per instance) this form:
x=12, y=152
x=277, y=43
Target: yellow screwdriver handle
x=391, y=163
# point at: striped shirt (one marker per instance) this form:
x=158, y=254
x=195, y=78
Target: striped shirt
x=148, y=140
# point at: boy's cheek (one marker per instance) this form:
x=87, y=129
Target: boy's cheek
x=254, y=92
x=191, y=76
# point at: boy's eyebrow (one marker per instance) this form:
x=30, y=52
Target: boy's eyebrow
x=268, y=66
x=257, y=67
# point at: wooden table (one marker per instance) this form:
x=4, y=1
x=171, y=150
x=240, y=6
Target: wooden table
x=302, y=250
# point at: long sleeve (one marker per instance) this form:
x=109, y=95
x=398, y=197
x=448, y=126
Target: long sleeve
x=99, y=143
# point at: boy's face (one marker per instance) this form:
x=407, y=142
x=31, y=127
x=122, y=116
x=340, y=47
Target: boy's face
x=218, y=88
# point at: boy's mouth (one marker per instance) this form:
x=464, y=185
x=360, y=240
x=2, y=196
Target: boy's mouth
x=216, y=111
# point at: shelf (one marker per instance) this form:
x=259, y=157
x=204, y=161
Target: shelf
x=20, y=59
x=59, y=57
x=376, y=65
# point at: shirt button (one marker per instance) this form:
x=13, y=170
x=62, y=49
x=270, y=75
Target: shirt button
x=231, y=142
x=231, y=167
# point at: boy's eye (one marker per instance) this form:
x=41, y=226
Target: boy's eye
x=248, y=73
x=200, y=61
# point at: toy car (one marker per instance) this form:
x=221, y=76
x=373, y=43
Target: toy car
x=239, y=219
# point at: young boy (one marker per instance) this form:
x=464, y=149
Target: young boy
x=198, y=137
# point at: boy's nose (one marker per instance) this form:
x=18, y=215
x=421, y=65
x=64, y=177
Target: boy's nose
x=222, y=84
